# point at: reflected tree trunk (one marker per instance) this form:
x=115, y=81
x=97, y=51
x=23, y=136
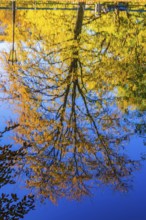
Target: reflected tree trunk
x=79, y=21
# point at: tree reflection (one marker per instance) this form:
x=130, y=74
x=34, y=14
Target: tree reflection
x=71, y=114
x=11, y=207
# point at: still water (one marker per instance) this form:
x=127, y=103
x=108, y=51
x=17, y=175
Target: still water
x=72, y=111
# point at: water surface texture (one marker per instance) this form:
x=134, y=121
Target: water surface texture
x=72, y=110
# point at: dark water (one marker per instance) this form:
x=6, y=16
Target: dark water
x=72, y=111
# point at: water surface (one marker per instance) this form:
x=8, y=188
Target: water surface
x=73, y=111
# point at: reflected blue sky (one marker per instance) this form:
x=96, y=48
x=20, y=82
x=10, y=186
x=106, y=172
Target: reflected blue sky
x=103, y=205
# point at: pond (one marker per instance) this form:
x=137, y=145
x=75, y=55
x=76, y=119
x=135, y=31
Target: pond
x=72, y=110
